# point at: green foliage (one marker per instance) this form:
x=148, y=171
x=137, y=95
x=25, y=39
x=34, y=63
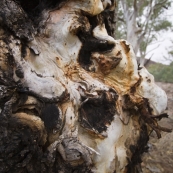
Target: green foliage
x=162, y=73
x=171, y=52
x=120, y=32
x=158, y=21
x=162, y=24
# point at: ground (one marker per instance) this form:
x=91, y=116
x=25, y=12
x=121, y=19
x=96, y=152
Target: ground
x=159, y=159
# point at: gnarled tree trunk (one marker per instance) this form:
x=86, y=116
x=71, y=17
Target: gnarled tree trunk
x=73, y=98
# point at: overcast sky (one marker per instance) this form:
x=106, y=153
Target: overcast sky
x=163, y=43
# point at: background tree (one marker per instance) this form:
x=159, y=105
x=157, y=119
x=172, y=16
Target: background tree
x=140, y=22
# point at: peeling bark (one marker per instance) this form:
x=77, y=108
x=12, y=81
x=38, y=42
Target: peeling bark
x=72, y=98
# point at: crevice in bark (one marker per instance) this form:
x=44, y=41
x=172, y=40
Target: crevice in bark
x=137, y=150
x=109, y=21
x=51, y=116
x=96, y=114
x=91, y=44
x=34, y=8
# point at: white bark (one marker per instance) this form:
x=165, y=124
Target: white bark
x=133, y=33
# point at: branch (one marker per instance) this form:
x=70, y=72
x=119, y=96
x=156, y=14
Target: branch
x=160, y=4
x=139, y=30
x=141, y=37
x=124, y=5
x=157, y=42
x=147, y=42
x=135, y=5
x=121, y=19
x=147, y=61
x=152, y=49
x=165, y=7
x=125, y=9
x=140, y=3
x=148, y=17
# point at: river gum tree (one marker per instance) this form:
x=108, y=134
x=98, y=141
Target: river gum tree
x=72, y=98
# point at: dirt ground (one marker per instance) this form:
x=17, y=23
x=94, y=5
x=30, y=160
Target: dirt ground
x=159, y=159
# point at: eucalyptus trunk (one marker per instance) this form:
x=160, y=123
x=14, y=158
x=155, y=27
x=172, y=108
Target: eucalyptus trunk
x=72, y=98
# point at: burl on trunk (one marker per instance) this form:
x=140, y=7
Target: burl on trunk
x=72, y=98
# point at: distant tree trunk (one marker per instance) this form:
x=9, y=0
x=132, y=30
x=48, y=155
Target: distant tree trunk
x=136, y=32
x=72, y=98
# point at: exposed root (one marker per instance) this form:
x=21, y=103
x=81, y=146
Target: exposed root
x=150, y=119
